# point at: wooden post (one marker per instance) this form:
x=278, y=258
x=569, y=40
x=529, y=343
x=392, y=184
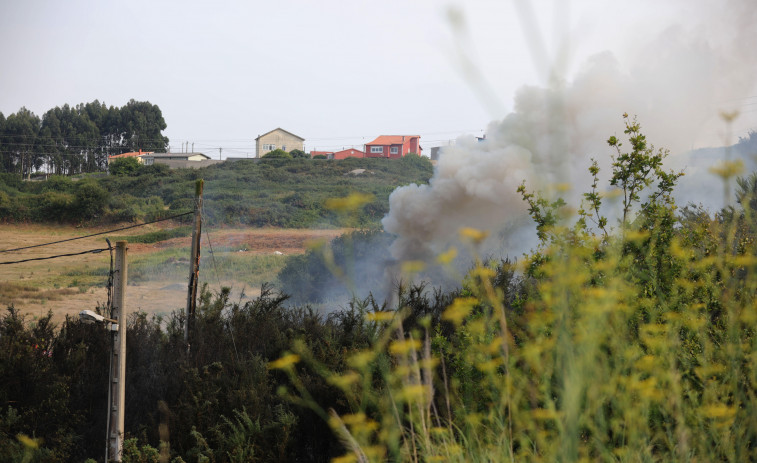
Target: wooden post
x=194, y=265
x=118, y=370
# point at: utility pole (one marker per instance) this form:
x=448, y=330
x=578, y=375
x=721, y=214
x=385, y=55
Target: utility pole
x=118, y=362
x=194, y=265
x=219, y=153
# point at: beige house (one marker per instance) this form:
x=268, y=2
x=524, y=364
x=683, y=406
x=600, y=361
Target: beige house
x=277, y=139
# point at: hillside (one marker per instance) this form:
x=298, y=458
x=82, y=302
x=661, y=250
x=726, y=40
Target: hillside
x=277, y=192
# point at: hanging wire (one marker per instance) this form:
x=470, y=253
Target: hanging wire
x=97, y=234
x=215, y=270
x=91, y=251
x=210, y=246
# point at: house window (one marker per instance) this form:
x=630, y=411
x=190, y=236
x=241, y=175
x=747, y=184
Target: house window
x=269, y=147
x=395, y=150
x=284, y=147
x=377, y=149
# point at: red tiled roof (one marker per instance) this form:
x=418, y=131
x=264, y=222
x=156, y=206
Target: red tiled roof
x=351, y=151
x=316, y=153
x=129, y=155
x=392, y=139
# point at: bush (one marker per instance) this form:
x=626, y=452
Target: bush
x=58, y=183
x=416, y=161
x=299, y=154
x=157, y=170
x=91, y=200
x=55, y=206
x=124, y=167
x=277, y=154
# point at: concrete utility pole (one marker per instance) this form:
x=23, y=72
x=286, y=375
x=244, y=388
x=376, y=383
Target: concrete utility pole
x=118, y=362
x=194, y=264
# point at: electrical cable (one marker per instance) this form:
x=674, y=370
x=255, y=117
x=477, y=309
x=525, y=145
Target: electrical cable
x=91, y=251
x=97, y=234
x=210, y=245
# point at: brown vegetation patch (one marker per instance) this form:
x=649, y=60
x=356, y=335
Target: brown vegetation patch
x=13, y=292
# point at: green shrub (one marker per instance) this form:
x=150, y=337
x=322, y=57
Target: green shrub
x=277, y=154
x=124, y=166
x=55, y=206
x=58, y=183
x=299, y=154
x=635, y=344
x=91, y=199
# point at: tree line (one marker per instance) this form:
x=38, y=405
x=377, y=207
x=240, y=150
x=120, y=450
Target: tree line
x=75, y=139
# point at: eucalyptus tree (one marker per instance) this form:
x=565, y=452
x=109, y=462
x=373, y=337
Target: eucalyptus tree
x=18, y=139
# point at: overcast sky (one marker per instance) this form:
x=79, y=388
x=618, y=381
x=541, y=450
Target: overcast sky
x=337, y=73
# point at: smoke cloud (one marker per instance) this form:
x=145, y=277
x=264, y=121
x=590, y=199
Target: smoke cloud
x=676, y=84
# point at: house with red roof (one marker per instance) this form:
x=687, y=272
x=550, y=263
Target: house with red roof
x=140, y=155
x=393, y=146
x=348, y=153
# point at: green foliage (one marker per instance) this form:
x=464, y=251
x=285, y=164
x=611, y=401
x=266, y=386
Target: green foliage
x=299, y=154
x=594, y=202
x=75, y=139
x=277, y=154
x=33, y=393
x=59, y=183
x=635, y=170
x=276, y=192
x=124, y=166
x=545, y=213
x=133, y=453
x=635, y=346
x=320, y=156
x=91, y=199
x=416, y=161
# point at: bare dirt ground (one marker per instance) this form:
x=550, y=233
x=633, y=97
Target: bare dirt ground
x=36, y=287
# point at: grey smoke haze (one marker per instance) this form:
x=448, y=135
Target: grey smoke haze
x=676, y=84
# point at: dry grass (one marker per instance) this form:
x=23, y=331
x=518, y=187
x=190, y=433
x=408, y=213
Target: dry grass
x=158, y=271
x=11, y=293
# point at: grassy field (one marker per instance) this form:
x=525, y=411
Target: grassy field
x=158, y=265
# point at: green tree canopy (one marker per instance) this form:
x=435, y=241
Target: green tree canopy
x=74, y=139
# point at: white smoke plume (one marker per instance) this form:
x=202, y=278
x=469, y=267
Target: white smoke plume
x=677, y=85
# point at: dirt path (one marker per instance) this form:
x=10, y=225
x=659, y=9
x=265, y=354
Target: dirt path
x=38, y=286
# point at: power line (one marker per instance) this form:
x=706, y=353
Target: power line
x=91, y=251
x=96, y=234
x=210, y=245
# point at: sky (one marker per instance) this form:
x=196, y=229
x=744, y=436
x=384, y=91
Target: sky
x=338, y=73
